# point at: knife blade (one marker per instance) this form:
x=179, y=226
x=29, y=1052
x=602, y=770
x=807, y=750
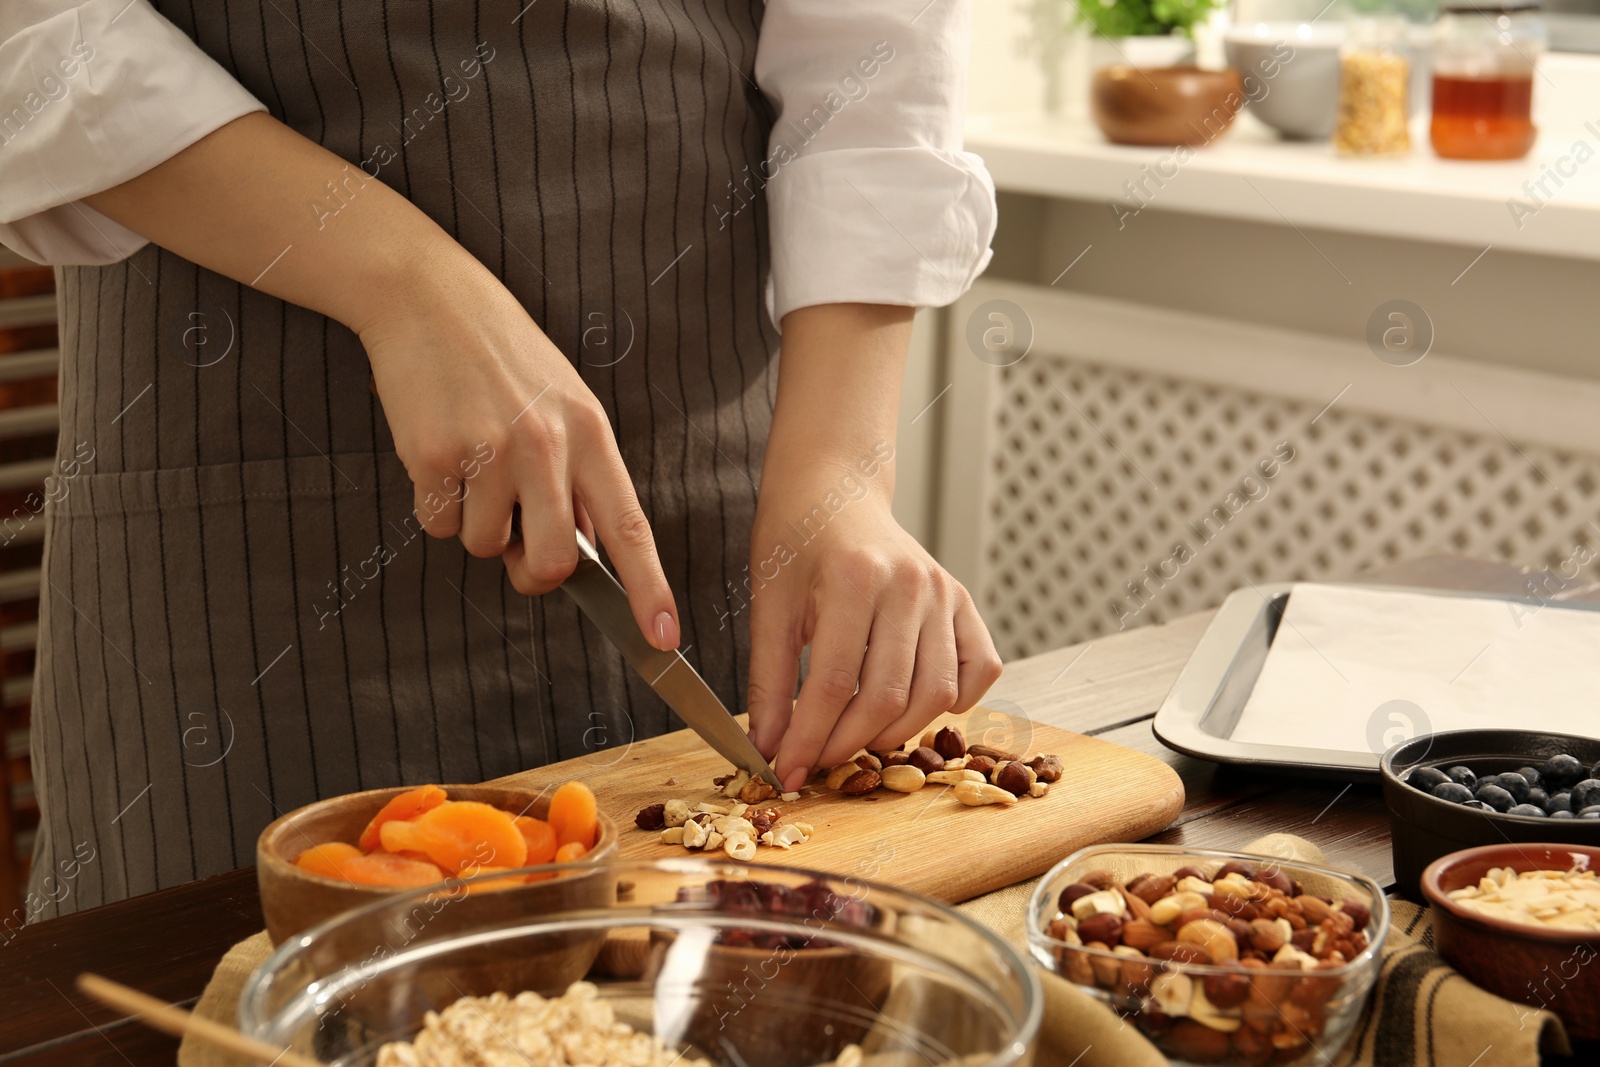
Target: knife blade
x=602, y=598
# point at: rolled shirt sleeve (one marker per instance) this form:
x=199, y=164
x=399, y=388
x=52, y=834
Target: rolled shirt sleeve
x=92, y=95
x=870, y=197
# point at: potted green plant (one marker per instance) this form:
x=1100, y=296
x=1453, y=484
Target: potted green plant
x=1143, y=33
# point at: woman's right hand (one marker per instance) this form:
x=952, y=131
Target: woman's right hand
x=487, y=413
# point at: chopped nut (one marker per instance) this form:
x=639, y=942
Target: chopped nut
x=733, y=824
x=675, y=812
x=977, y=794
x=739, y=846
x=1039, y=789
x=651, y=817
x=785, y=836
x=790, y=798
x=672, y=835
x=756, y=790
x=708, y=808
x=714, y=841
x=954, y=777
x=738, y=808
x=1172, y=992
x=733, y=785
x=903, y=779
x=695, y=834
x=1047, y=768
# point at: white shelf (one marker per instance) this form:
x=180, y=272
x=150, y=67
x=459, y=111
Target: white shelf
x=1250, y=174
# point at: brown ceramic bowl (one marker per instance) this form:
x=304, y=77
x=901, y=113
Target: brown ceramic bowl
x=1554, y=969
x=1164, y=105
x=293, y=900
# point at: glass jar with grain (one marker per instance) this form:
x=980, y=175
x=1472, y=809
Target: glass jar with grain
x=1483, y=66
x=1374, y=77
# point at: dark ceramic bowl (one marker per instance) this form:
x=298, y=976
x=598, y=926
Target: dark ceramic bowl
x=1164, y=105
x=1554, y=969
x=1422, y=827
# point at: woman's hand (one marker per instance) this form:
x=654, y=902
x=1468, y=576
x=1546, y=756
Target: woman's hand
x=486, y=412
x=895, y=640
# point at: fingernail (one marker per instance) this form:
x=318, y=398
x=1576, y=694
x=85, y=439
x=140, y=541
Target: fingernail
x=666, y=631
x=795, y=779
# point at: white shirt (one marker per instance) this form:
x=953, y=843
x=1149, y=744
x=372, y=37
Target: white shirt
x=870, y=197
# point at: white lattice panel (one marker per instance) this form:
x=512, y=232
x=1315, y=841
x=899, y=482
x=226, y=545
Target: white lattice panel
x=1114, y=496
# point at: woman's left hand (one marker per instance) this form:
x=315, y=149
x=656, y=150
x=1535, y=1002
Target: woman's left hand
x=895, y=640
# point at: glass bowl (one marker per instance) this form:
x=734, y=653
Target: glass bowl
x=737, y=964
x=1178, y=984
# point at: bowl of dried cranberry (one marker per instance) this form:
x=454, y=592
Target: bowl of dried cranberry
x=1216, y=957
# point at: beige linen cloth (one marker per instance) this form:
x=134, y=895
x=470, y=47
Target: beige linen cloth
x=1422, y=1013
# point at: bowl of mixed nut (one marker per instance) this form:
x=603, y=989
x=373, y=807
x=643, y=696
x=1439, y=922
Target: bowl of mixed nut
x=1216, y=957
x=706, y=961
x=1523, y=921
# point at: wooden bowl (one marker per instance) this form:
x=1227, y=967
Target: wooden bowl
x=1164, y=105
x=293, y=900
x=1546, y=968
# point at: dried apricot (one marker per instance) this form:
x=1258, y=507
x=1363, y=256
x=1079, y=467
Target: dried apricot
x=328, y=860
x=574, y=814
x=540, y=837
x=488, y=884
x=383, y=868
x=404, y=807
x=572, y=850
x=458, y=833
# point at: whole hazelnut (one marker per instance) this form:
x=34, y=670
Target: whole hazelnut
x=1237, y=867
x=1103, y=927
x=1274, y=878
x=1151, y=887
x=1189, y=1040
x=1251, y=1048
x=894, y=759
x=926, y=760
x=1304, y=940
x=860, y=783
x=1189, y=872
x=1227, y=990
x=949, y=743
x=1015, y=778
x=1267, y=936
x=1099, y=879
x=1072, y=893
x=1179, y=952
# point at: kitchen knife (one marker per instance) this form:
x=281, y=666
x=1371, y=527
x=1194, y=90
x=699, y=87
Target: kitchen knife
x=603, y=599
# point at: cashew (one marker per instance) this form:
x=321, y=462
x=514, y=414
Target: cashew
x=705, y=807
x=956, y=764
x=1192, y=884
x=1288, y=954
x=739, y=847
x=977, y=794
x=786, y=835
x=954, y=777
x=675, y=812
x=673, y=835
x=736, y=783
x=1170, y=907
x=803, y=827
x=903, y=778
x=738, y=808
x=1105, y=901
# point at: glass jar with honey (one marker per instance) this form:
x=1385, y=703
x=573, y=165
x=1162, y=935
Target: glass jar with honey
x=1484, y=54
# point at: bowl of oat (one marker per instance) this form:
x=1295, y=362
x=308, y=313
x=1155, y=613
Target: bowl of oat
x=1523, y=922
x=699, y=962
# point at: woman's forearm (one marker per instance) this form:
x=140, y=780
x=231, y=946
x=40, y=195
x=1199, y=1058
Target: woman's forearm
x=838, y=388
x=257, y=202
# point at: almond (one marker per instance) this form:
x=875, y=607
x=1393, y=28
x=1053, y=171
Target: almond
x=1142, y=934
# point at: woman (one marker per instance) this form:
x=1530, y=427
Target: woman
x=413, y=266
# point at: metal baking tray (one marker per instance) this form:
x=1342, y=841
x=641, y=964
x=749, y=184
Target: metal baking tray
x=1204, y=705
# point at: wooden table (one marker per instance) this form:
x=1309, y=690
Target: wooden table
x=167, y=943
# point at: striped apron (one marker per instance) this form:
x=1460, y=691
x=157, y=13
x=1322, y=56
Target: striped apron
x=239, y=616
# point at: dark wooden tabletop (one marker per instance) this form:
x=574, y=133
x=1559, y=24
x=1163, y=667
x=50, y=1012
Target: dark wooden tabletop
x=167, y=943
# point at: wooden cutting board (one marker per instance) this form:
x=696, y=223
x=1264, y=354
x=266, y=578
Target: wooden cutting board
x=927, y=841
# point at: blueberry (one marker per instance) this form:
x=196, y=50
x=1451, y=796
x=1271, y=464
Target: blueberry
x=1562, y=771
x=1515, y=784
x=1591, y=812
x=1527, y=809
x=1455, y=793
x=1464, y=775
x=1425, y=778
x=1494, y=796
x=1558, y=802
x=1562, y=815
x=1532, y=775
x=1537, y=797
x=1586, y=793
